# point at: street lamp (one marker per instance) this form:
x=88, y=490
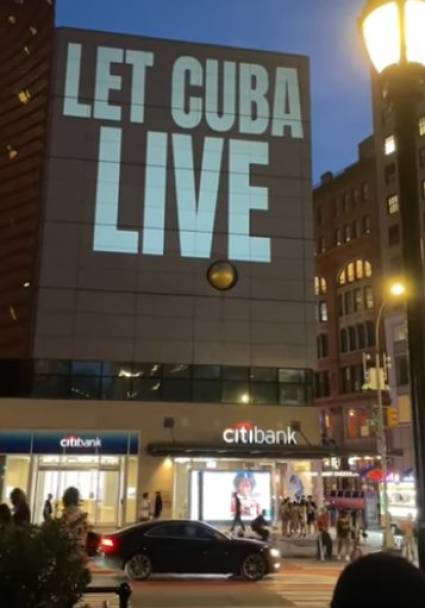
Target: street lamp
x=393, y=32
x=396, y=291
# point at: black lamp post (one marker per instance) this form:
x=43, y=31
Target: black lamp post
x=394, y=33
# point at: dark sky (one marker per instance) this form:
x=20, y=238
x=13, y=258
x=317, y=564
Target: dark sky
x=325, y=30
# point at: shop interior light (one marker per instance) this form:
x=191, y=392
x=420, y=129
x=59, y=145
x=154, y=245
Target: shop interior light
x=393, y=32
x=245, y=398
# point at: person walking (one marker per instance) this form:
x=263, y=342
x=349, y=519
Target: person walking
x=157, y=506
x=285, y=516
x=343, y=528
x=237, y=510
x=311, y=516
x=303, y=517
x=21, y=511
x=295, y=519
x=5, y=516
x=74, y=519
x=324, y=540
x=260, y=526
x=408, y=547
x=48, y=508
x=145, y=508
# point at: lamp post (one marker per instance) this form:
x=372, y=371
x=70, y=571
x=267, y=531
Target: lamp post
x=393, y=32
x=396, y=290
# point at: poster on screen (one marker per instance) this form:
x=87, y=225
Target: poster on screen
x=253, y=489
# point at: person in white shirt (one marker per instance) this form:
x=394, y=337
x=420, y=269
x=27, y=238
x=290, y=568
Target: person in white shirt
x=145, y=508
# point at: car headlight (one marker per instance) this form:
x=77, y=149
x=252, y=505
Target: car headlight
x=275, y=552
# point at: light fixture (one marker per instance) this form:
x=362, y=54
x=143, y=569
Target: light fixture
x=26, y=284
x=24, y=96
x=397, y=289
x=393, y=32
x=11, y=152
x=222, y=275
x=245, y=398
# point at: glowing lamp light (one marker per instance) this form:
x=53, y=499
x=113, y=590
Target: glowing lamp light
x=393, y=31
x=222, y=275
x=397, y=289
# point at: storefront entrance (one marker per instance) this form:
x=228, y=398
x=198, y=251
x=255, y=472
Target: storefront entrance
x=102, y=466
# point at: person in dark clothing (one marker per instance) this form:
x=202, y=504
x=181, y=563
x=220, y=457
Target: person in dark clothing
x=259, y=526
x=237, y=509
x=21, y=511
x=47, y=508
x=5, y=516
x=157, y=510
x=380, y=579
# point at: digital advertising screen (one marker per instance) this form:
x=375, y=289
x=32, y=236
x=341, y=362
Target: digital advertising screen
x=254, y=491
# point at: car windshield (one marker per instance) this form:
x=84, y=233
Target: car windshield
x=218, y=534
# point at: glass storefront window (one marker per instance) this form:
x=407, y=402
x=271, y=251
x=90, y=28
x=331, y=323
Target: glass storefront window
x=207, y=391
x=14, y=473
x=146, y=389
x=292, y=375
x=85, y=387
x=176, y=371
x=235, y=373
x=206, y=371
x=131, y=505
x=49, y=366
x=86, y=368
x=263, y=393
x=116, y=388
x=176, y=390
x=236, y=392
x=146, y=370
x=51, y=387
x=122, y=370
x=292, y=394
x=263, y=374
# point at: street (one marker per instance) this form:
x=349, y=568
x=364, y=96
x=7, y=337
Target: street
x=299, y=584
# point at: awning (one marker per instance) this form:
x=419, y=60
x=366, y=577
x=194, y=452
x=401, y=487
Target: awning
x=287, y=452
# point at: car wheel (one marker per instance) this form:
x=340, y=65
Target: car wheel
x=253, y=567
x=138, y=567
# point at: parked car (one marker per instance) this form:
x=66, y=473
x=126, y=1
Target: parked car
x=186, y=547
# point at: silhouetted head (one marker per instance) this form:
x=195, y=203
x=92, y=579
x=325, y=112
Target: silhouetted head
x=71, y=497
x=49, y=496
x=380, y=579
x=17, y=497
x=145, y=495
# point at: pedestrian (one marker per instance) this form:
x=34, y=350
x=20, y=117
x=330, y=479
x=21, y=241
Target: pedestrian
x=324, y=540
x=157, y=506
x=145, y=508
x=311, y=515
x=260, y=526
x=303, y=517
x=295, y=519
x=343, y=528
x=237, y=510
x=408, y=547
x=380, y=579
x=21, y=511
x=74, y=519
x=285, y=516
x=5, y=516
x=48, y=508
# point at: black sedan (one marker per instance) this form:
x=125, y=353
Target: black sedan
x=188, y=547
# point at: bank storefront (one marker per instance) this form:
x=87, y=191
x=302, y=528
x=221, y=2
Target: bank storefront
x=102, y=465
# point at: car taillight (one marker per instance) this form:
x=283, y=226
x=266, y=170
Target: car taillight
x=108, y=544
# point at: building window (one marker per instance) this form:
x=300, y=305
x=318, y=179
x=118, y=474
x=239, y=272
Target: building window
x=338, y=206
x=354, y=229
x=356, y=196
x=348, y=303
x=390, y=173
x=402, y=370
x=347, y=233
x=365, y=191
x=366, y=224
x=342, y=278
x=322, y=346
x=343, y=340
x=421, y=125
x=422, y=156
x=370, y=333
x=358, y=423
x=367, y=269
x=423, y=188
x=368, y=298
x=361, y=336
x=392, y=204
x=323, y=311
x=320, y=285
x=346, y=380
x=400, y=332
x=394, y=235
x=340, y=305
x=358, y=300
x=321, y=385
x=350, y=272
x=338, y=237
x=352, y=339
x=346, y=203
x=359, y=270
x=389, y=145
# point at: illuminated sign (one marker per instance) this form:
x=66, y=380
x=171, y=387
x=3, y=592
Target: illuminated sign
x=73, y=441
x=246, y=433
x=222, y=117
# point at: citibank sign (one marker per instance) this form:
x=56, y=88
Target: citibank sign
x=73, y=441
x=247, y=433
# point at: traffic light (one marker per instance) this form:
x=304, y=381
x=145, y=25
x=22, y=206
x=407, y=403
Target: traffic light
x=392, y=417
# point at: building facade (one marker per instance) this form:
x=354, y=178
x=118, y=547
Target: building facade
x=348, y=288
x=162, y=159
